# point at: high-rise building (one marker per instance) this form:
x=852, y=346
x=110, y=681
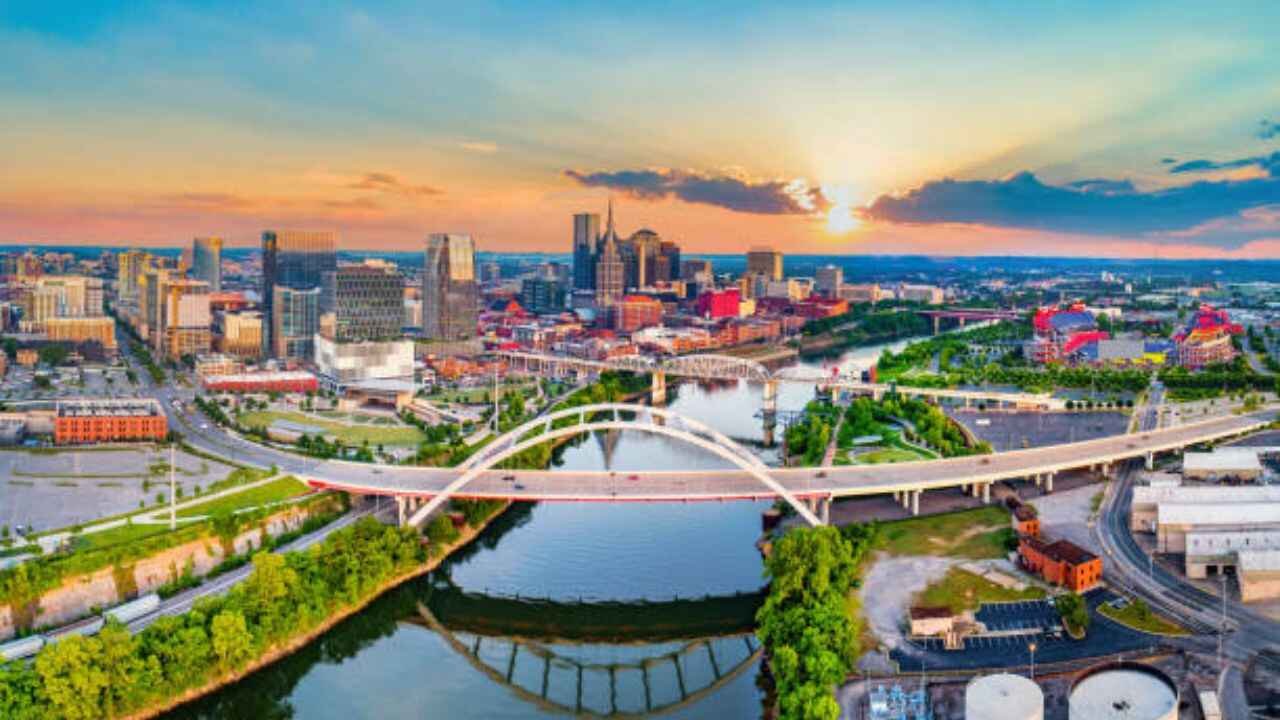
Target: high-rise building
x=668, y=261
x=699, y=270
x=610, y=272
x=450, y=297
x=827, y=281
x=150, y=296
x=368, y=302
x=541, y=296
x=640, y=254
x=242, y=334
x=636, y=311
x=206, y=261
x=296, y=259
x=128, y=269
x=63, y=296
x=586, y=229
x=295, y=320
x=765, y=260
x=185, y=324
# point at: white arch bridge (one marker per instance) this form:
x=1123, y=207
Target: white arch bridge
x=610, y=416
x=710, y=366
x=747, y=478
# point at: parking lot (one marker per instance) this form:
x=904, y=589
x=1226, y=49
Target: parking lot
x=1105, y=637
x=56, y=489
x=20, y=384
x=1018, y=430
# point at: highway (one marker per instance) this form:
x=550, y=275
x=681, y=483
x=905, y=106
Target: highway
x=1127, y=566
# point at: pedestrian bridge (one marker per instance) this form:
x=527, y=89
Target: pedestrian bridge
x=744, y=478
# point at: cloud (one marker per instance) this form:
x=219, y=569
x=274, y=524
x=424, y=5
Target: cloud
x=735, y=192
x=1113, y=208
x=486, y=148
x=1168, y=161
x=1267, y=163
x=388, y=183
x=1268, y=129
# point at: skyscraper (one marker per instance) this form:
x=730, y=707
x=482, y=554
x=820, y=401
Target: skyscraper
x=295, y=320
x=766, y=261
x=295, y=259
x=586, y=229
x=368, y=302
x=206, y=262
x=609, y=268
x=450, y=296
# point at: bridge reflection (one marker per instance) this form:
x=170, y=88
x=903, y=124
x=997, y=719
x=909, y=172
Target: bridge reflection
x=662, y=655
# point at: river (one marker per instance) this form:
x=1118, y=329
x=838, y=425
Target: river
x=560, y=609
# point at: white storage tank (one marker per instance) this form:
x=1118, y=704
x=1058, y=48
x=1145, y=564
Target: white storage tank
x=1123, y=691
x=1003, y=697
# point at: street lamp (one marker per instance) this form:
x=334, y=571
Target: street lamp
x=1031, y=646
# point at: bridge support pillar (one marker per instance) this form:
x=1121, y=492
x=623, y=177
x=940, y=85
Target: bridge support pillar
x=825, y=506
x=770, y=397
x=915, y=502
x=400, y=510
x=659, y=387
x=1150, y=461
x=986, y=493
x=1048, y=482
x=937, y=324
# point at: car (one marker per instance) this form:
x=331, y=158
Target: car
x=633, y=476
x=821, y=474
x=509, y=478
x=518, y=486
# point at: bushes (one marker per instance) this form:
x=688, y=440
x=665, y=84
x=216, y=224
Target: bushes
x=440, y=531
x=114, y=675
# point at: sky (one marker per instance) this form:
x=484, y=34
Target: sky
x=946, y=128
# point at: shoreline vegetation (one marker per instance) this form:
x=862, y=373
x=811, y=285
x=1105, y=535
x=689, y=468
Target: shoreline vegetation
x=286, y=603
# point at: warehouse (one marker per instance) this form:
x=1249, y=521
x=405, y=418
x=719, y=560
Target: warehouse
x=1146, y=499
x=1259, y=575
x=1232, y=464
x=1174, y=521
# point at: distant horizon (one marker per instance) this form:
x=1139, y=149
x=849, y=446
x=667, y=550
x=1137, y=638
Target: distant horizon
x=9, y=247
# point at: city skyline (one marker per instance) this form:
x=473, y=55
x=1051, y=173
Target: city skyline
x=823, y=129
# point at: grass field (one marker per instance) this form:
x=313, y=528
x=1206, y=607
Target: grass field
x=348, y=434
x=888, y=455
x=961, y=590
x=117, y=536
x=1140, y=617
x=274, y=491
x=979, y=533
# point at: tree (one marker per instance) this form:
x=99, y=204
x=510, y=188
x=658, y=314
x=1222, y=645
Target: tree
x=130, y=678
x=230, y=639
x=71, y=679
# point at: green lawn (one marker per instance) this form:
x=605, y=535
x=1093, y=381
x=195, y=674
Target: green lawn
x=961, y=590
x=1140, y=617
x=888, y=455
x=274, y=491
x=116, y=536
x=977, y=533
x=348, y=434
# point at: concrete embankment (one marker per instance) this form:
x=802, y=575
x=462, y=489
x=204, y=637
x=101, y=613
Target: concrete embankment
x=78, y=595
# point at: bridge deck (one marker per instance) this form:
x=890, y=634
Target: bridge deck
x=733, y=484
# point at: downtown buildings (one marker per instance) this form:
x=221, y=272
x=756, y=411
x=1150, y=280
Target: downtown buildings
x=450, y=294
x=206, y=261
x=294, y=262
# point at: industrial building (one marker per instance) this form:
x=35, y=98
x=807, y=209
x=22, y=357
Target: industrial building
x=1061, y=562
x=1239, y=464
x=1147, y=499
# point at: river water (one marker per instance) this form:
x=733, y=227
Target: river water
x=561, y=609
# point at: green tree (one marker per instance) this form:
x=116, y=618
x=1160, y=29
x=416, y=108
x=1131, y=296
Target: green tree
x=230, y=639
x=71, y=679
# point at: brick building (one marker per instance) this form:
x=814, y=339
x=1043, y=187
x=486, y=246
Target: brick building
x=1061, y=562
x=93, y=421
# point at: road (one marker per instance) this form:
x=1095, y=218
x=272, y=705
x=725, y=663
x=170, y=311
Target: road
x=1128, y=567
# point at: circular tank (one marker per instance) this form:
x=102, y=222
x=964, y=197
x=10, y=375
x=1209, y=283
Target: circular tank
x=1003, y=697
x=1123, y=691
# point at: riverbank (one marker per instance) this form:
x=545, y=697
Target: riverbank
x=465, y=537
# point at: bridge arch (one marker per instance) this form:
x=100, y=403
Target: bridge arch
x=690, y=431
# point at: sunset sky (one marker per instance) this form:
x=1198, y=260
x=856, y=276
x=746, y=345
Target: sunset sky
x=952, y=128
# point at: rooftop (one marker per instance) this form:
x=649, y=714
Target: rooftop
x=1239, y=513
x=1259, y=561
x=1232, y=459
x=106, y=407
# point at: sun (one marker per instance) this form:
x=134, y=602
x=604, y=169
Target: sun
x=840, y=220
